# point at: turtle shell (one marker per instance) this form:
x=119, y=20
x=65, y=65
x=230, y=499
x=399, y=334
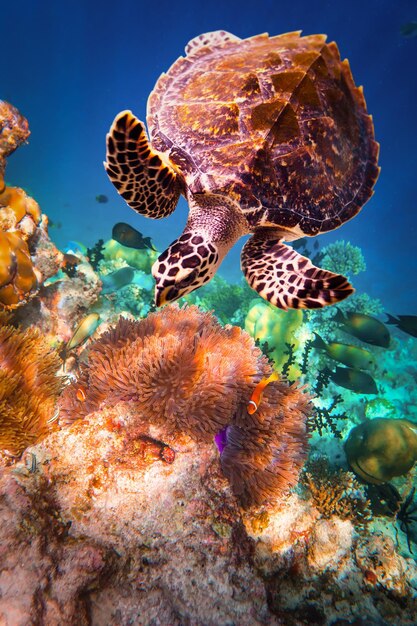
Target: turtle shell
x=276, y=123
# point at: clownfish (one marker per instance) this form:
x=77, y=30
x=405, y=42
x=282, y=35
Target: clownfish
x=257, y=394
x=80, y=395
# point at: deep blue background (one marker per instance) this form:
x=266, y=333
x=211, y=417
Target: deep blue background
x=71, y=66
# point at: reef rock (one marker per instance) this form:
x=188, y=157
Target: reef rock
x=112, y=526
x=27, y=255
x=105, y=533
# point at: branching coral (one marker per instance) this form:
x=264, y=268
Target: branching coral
x=29, y=387
x=184, y=372
x=337, y=493
x=342, y=256
x=229, y=301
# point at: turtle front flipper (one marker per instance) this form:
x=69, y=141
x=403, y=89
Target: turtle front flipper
x=287, y=279
x=148, y=185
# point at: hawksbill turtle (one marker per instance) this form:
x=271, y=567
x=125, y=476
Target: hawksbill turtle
x=267, y=136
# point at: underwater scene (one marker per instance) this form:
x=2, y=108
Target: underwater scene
x=208, y=313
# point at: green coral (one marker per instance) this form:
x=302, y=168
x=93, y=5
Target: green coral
x=380, y=449
x=379, y=407
x=139, y=259
x=342, y=257
x=229, y=302
x=280, y=329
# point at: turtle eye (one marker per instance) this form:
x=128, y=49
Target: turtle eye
x=189, y=279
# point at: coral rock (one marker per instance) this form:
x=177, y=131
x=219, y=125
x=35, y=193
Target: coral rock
x=14, y=130
x=17, y=276
x=330, y=543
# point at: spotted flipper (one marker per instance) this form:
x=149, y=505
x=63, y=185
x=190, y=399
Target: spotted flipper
x=288, y=280
x=148, y=185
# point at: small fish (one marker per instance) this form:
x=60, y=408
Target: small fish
x=167, y=454
x=80, y=395
x=54, y=417
x=118, y=279
x=52, y=224
x=364, y=327
x=156, y=449
x=101, y=198
x=31, y=462
x=75, y=246
x=145, y=281
x=352, y=356
x=130, y=237
x=257, y=394
x=84, y=330
x=69, y=260
x=355, y=380
x=406, y=323
x=409, y=29
x=300, y=243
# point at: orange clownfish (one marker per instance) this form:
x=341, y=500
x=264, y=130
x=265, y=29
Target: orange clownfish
x=257, y=394
x=80, y=394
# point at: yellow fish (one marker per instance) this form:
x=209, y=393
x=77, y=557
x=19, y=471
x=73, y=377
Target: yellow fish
x=84, y=330
x=257, y=394
x=349, y=355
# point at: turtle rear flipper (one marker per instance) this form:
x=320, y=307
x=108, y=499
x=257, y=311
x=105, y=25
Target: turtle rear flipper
x=287, y=279
x=148, y=185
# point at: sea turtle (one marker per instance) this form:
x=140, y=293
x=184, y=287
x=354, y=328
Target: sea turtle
x=265, y=136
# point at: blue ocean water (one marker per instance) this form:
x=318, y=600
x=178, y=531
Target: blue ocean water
x=71, y=66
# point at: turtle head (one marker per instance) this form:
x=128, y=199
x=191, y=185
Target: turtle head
x=187, y=264
x=214, y=225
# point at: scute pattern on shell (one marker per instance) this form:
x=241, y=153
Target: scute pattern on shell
x=276, y=123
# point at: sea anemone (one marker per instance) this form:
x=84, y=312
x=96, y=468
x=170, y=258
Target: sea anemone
x=179, y=366
x=265, y=452
x=29, y=387
x=184, y=372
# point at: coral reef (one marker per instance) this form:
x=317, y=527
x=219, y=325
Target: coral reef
x=337, y=493
x=14, y=131
x=29, y=387
x=379, y=449
x=127, y=520
x=17, y=275
x=27, y=256
x=342, y=257
x=229, y=301
x=278, y=328
x=114, y=535
x=61, y=302
x=139, y=259
x=175, y=365
x=186, y=374
x=106, y=531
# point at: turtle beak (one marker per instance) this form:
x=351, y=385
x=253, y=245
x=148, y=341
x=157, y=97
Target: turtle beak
x=165, y=295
